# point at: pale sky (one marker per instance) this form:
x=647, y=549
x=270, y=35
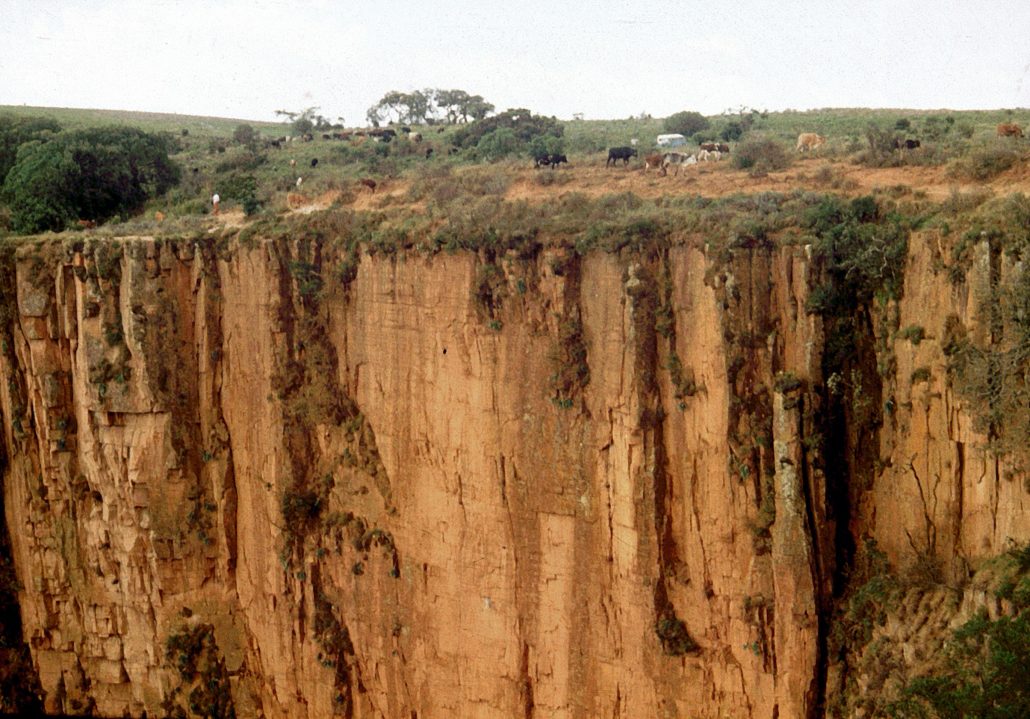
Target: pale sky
x=604, y=58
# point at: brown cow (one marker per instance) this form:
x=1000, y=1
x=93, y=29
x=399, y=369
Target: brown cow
x=654, y=161
x=809, y=141
x=1009, y=129
x=86, y=224
x=369, y=183
x=159, y=216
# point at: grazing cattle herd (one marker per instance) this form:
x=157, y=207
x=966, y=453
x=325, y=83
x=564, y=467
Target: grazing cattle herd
x=660, y=161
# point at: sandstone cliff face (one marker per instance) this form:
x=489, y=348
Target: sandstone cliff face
x=462, y=485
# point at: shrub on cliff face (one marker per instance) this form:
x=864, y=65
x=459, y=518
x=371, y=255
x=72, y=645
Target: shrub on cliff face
x=91, y=174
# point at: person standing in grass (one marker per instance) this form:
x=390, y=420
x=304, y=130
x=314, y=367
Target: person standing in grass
x=215, y=199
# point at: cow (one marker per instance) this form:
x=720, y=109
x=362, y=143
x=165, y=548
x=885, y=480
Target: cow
x=293, y=163
x=326, y=136
x=900, y=144
x=679, y=159
x=551, y=159
x=654, y=161
x=620, y=153
x=809, y=141
x=429, y=152
x=273, y=143
x=369, y=183
x=314, y=161
x=159, y=216
x=405, y=129
x=709, y=146
x=86, y=224
x=723, y=148
x=1009, y=129
x=300, y=181
x=415, y=137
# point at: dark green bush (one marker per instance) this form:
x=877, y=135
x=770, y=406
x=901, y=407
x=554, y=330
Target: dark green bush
x=244, y=134
x=685, y=123
x=16, y=131
x=732, y=131
x=498, y=143
x=92, y=174
x=523, y=124
x=242, y=189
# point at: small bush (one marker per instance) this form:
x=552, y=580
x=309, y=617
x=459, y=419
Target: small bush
x=913, y=333
x=244, y=134
x=760, y=156
x=685, y=123
x=673, y=635
x=733, y=131
x=984, y=163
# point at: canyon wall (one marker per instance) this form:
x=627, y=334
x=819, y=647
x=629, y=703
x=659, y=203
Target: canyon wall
x=271, y=478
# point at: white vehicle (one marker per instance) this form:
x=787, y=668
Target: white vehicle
x=674, y=140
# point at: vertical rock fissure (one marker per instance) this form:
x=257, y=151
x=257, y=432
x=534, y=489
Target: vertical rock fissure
x=642, y=289
x=19, y=684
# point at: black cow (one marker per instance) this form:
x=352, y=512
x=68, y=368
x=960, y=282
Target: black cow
x=900, y=144
x=314, y=161
x=429, y=152
x=620, y=153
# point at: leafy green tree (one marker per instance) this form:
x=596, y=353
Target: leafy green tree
x=15, y=131
x=685, y=123
x=458, y=104
x=477, y=108
x=92, y=174
x=451, y=102
x=305, y=121
x=414, y=107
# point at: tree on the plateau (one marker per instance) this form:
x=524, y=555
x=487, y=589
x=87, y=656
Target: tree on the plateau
x=92, y=174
